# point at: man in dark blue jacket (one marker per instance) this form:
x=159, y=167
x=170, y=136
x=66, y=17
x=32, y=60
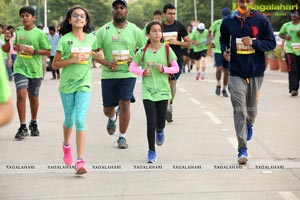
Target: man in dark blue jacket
x=245, y=36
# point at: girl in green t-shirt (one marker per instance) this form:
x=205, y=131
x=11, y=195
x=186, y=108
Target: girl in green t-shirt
x=154, y=60
x=74, y=55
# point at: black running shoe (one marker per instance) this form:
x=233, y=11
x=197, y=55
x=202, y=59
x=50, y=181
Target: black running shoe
x=22, y=132
x=33, y=127
x=218, y=90
x=224, y=93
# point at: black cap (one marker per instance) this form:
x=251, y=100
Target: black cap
x=225, y=12
x=119, y=1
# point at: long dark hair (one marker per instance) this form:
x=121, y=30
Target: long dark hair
x=148, y=28
x=66, y=27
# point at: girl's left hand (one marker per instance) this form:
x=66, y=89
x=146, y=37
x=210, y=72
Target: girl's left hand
x=160, y=68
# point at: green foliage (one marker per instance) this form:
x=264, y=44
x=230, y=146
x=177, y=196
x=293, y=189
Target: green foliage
x=100, y=10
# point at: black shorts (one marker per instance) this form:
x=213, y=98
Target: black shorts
x=114, y=90
x=184, y=52
x=192, y=54
x=200, y=54
x=220, y=61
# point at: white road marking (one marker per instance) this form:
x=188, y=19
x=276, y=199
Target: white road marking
x=279, y=81
x=225, y=129
x=213, y=117
x=288, y=195
x=183, y=90
x=195, y=101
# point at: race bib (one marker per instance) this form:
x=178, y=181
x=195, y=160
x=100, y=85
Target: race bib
x=121, y=56
x=243, y=49
x=22, y=54
x=167, y=36
x=150, y=64
x=86, y=51
x=296, y=47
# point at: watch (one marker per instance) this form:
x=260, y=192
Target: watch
x=35, y=52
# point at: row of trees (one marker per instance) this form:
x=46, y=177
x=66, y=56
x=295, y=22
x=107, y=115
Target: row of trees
x=100, y=10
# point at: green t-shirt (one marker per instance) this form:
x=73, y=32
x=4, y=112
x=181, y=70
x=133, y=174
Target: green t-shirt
x=200, y=37
x=30, y=65
x=293, y=45
x=215, y=30
x=76, y=77
x=155, y=87
x=191, y=45
x=5, y=92
x=119, y=44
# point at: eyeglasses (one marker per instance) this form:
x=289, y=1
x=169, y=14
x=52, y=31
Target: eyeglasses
x=76, y=16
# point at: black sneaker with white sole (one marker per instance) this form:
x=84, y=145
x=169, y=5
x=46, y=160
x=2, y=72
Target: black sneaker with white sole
x=21, y=134
x=33, y=127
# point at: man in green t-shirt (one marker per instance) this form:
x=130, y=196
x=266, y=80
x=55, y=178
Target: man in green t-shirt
x=290, y=31
x=199, y=39
x=6, y=107
x=118, y=39
x=220, y=63
x=30, y=43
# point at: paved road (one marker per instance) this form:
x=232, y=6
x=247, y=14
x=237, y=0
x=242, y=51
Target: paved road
x=197, y=161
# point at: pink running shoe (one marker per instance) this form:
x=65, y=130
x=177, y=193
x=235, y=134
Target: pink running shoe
x=68, y=159
x=202, y=76
x=198, y=76
x=79, y=167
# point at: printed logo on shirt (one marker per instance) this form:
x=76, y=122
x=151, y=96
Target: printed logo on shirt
x=254, y=31
x=115, y=38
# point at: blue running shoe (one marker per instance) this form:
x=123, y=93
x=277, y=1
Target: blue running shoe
x=160, y=138
x=122, y=144
x=249, y=131
x=151, y=157
x=242, y=156
x=111, y=125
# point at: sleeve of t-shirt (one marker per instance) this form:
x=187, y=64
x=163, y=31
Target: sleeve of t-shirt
x=142, y=40
x=16, y=38
x=95, y=44
x=44, y=42
x=183, y=31
x=212, y=27
x=59, y=45
x=138, y=56
x=99, y=36
x=283, y=29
